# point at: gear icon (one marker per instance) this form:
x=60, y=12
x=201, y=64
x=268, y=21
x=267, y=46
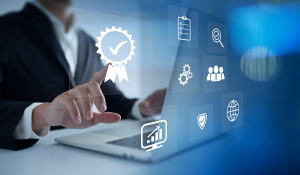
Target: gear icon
x=186, y=71
x=113, y=29
x=186, y=79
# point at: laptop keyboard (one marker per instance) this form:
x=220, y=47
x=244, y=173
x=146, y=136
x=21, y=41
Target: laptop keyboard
x=132, y=141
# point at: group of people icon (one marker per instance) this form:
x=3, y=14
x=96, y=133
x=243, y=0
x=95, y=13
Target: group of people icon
x=218, y=74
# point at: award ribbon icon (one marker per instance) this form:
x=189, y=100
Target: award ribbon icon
x=118, y=67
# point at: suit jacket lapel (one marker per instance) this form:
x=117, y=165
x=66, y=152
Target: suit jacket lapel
x=45, y=29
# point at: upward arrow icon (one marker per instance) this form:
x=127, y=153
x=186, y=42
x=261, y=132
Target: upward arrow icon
x=153, y=131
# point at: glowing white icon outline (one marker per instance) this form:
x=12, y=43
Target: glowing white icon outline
x=118, y=67
x=155, y=145
x=238, y=110
x=187, y=74
x=179, y=31
x=218, y=74
x=217, y=38
x=202, y=123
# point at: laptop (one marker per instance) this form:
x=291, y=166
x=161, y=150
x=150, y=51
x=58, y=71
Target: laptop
x=145, y=141
x=178, y=128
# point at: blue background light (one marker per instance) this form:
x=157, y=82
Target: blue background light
x=274, y=27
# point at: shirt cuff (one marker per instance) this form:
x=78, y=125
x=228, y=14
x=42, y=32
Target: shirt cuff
x=24, y=128
x=135, y=111
x=40, y=133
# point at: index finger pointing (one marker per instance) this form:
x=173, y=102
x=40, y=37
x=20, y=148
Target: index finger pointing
x=100, y=75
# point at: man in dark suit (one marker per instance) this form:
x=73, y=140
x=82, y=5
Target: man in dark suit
x=34, y=67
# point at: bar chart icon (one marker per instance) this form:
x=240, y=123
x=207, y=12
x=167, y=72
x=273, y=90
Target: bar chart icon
x=156, y=137
x=157, y=132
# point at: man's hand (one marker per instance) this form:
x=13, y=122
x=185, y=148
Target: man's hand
x=73, y=109
x=153, y=104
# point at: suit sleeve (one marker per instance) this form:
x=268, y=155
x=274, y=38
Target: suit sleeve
x=116, y=101
x=11, y=112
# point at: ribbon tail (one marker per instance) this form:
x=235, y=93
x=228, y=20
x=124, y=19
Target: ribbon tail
x=122, y=74
x=111, y=74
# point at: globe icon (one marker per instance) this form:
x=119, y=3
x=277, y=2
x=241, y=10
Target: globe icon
x=233, y=110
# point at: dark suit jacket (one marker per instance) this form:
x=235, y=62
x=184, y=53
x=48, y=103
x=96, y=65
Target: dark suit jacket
x=33, y=68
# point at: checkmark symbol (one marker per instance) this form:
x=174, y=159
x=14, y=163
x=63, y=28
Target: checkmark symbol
x=202, y=120
x=115, y=51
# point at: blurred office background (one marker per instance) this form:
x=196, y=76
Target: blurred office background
x=272, y=30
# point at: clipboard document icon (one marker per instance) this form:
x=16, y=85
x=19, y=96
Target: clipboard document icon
x=184, y=28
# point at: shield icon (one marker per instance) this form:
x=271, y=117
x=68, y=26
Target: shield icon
x=202, y=120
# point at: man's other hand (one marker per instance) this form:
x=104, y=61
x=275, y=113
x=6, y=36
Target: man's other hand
x=73, y=109
x=153, y=104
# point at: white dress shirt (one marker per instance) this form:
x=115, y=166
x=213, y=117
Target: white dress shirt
x=69, y=44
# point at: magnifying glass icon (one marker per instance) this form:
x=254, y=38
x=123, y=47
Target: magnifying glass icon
x=216, y=36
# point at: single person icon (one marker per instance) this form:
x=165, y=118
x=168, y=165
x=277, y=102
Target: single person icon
x=222, y=74
x=219, y=75
x=216, y=74
x=210, y=73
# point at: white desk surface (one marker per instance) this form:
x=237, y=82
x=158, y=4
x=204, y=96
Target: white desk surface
x=48, y=157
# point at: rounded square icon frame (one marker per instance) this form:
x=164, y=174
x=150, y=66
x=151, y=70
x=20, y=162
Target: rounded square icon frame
x=169, y=147
x=219, y=46
x=226, y=100
x=174, y=13
x=176, y=85
x=209, y=122
x=151, y=123
x=211, y=60
x=120, y=21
